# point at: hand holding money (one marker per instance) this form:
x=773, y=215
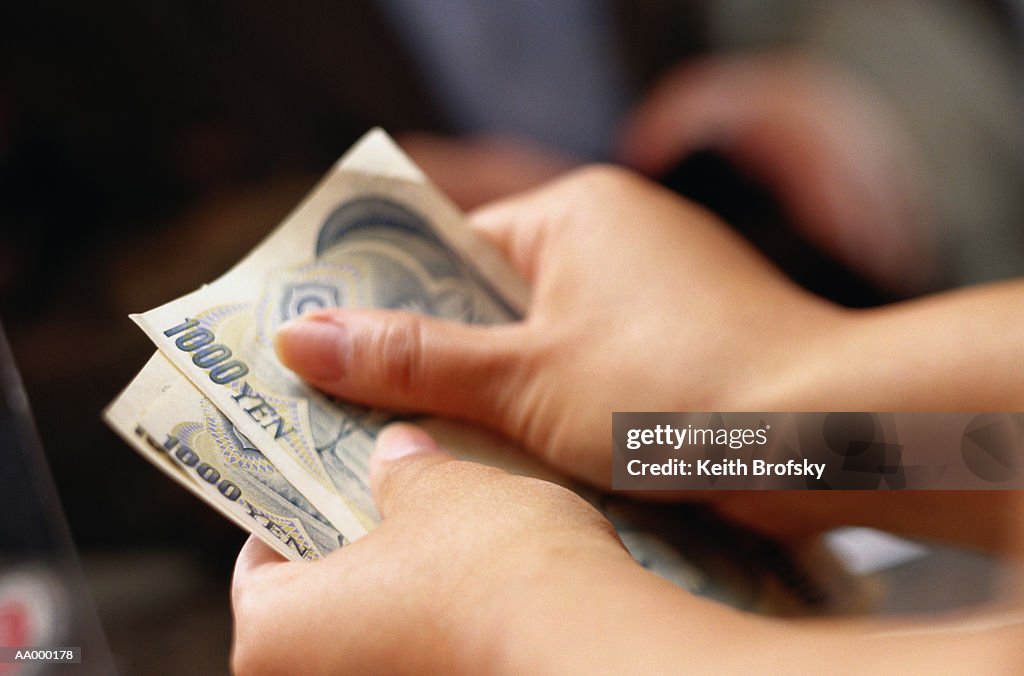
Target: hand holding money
x=635, y=308
x=431, y=322
x=218, y=411
x=487, y=591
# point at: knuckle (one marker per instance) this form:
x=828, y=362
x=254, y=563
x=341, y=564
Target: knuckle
x=242, y=607
x=500, y=374
x=243, y=604
x=524, y=392
x=245, y=655
x=239, y=591
x=253, y=619
x=255, y=598
x=242, y=661
x=245, y=661
x=455, y=473
x=603, y=177
x=556, y=506
x=541, y=490
x=400, y=354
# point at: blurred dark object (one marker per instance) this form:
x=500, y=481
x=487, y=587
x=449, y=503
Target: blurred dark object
x=707, y=178
x=44, y=602
x=114, y=118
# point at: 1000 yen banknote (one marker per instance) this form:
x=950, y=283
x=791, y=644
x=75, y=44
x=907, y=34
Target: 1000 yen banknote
x=374, y=233
x=184, y=434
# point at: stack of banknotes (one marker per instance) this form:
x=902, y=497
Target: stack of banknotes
x=218, y=413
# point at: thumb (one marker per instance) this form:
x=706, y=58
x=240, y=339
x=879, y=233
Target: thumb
x=402, y=453
x=404, y=361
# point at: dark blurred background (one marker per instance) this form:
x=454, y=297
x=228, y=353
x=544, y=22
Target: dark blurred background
x=146, y=146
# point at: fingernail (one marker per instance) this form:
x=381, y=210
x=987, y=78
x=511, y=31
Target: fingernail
x=399, y=440
x=315, y=348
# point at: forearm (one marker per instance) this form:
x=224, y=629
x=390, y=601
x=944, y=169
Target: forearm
x=622, y=619
x=618, y=618
x=956, y=351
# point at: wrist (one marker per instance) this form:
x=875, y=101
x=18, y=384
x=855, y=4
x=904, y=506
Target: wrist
x=793, y=363
x=907, y=356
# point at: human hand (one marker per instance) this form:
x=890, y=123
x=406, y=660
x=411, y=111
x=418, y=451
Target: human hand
x=471, y=571
x=641, y=301
x=824, y=142
x=477, y=571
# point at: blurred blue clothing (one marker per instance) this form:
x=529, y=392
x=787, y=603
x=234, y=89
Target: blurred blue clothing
x=549, y=70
